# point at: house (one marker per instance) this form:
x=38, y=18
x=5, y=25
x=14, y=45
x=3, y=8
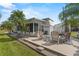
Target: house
x=35, y=26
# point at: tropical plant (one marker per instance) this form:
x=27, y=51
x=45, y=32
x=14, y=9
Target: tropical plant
x=70, y=15
x=8, y=25
x=18, y=18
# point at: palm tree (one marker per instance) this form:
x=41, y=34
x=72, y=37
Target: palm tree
x=70, y=15
x=23, y=25
x=18, y=18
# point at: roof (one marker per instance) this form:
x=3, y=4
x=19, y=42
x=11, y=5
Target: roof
x=43, y=21
x=47, y=19
x=40, y=19
x=33, y=18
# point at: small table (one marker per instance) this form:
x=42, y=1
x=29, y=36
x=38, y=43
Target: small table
x=61, y=37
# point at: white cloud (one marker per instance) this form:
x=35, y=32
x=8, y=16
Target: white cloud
x=6, y=1
x=7, y=8
x=40, y=13
x=6, y=11
x=29, y=12
x=7, y=5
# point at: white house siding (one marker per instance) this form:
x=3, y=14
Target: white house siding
x=59, y=28
x=49, y=28
x=51, y=25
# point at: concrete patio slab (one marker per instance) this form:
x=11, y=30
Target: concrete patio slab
x=65, y=49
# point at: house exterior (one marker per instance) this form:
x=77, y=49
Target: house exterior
x=36, y=25
x=46, y=25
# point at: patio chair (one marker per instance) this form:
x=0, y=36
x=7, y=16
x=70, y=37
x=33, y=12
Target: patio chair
x=55, y=36
x=67, y=37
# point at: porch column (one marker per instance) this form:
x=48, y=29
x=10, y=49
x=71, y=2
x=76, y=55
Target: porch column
x=38, y=29
x=33, y=27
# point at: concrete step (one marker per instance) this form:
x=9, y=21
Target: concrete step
x=43, y=52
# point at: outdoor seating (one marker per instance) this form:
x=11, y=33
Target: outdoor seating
x=58, y=37
x=62, y=37
x=55, y=36
x=67, y=37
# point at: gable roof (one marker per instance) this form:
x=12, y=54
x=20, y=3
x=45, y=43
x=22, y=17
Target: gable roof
x=48, y=19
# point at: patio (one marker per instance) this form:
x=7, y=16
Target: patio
x=65, y=49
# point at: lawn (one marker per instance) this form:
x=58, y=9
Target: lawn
x=74, y=34
x=11, y=47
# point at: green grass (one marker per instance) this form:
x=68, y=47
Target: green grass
x=11, y=47
x=74, y=34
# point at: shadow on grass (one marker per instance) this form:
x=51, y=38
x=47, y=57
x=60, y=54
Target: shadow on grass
x=6, y=39
x=3, y=39
x=2, y=34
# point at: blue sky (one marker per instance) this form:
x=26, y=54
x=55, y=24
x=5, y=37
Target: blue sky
x=38, y=10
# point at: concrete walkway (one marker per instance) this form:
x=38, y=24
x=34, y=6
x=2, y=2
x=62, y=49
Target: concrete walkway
x=65, y=49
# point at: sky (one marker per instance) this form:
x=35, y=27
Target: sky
x=37, y=10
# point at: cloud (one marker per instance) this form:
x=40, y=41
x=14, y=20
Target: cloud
x=29, y=12
x=40, y=13
x=7, y=5
x=6, y=11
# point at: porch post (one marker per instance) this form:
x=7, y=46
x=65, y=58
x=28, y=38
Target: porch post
x=33, y=27
x=38, y=29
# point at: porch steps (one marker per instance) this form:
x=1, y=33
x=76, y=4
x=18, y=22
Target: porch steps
x=44, y=52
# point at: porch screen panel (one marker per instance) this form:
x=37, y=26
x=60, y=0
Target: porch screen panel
x=31, y=27
x=35, y=27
